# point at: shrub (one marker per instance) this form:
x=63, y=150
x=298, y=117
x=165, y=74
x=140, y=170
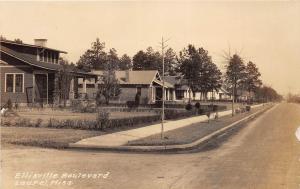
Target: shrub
x=38, y=122
x=23, y=122
x=174, y=114
x=248, y=108
x=137, y=99
x=100, y=100
x=102, y=119
x=189, y=106
x=131, y=104
x=158, y=103
x=145, y=100
x=9, y=104
x=76, y=105
x=53, y=123
x=200, y=111
x=132, y=121
x=197, y=105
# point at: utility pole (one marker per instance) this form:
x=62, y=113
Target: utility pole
x=232, y=103
x=163, y=46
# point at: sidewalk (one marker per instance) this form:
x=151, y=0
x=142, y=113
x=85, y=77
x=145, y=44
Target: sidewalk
x=122, y=138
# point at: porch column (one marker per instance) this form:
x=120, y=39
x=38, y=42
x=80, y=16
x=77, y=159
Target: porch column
x=47, y=89
x=56, y=93
x=71, y=94
x=33, y=88
x=84, y=85
x=174, y=94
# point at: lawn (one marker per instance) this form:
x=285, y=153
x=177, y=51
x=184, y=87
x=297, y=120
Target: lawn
x=43, y=137
x=190, y=133
x=46, y=114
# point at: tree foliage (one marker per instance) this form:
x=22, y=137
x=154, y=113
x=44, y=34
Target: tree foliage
x=93, y=58
x=197, y=68
x=252, y=78
x=235, y=73
x=267, y=94
x=63, y=81
x=171, y=62
x=149, y=60
x=125, y=63
x=109, y=86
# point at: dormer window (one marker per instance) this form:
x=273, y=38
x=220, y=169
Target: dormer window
x=44, y=55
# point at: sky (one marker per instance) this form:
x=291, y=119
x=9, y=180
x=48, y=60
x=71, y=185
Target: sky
x=266, y=33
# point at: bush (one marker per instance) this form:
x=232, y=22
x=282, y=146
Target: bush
x=76, y=105
x=248, y=108
x=23, y=122
x=100, y=100
x=174, y=114
x=38, y=122
x=189, y=106
x=145, y=100
x=131, y=104
x=197, y=105
x=200, y=111
x=53, y=123
x=137, y=99
x=102, y=119
x=9, y=104
x=132, y=121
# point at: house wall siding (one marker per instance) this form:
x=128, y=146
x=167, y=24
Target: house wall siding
x=16, y=97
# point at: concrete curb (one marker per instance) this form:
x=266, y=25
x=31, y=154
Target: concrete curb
x=180, y=147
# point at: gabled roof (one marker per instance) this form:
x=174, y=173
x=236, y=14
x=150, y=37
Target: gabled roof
x=223, y=91
x=29, y=45
x=137, y=77
x=140, y=77
x=29, y=59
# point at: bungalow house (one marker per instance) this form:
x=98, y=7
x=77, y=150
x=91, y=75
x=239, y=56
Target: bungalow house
x=182, y=91
x=29, y=72
x=148, y=83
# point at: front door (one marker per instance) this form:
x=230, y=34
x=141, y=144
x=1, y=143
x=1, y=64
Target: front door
x=41, y=88
x=158, y=95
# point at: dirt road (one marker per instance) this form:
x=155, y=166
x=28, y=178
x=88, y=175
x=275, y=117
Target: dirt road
x=265, y=154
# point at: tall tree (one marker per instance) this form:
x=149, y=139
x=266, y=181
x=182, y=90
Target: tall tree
x=93, y=58
x=252, y=77
x=235, y=73
x=139, y=60
x=149, y=60
x=113, y=60
x=210, y=75
x=267, y=94
x=190, y=66
x=125, y=62
x=63, y=81
x=171, y=62
x=213, y=77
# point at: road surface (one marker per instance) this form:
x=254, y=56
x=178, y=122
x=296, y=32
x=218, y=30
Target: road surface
x=265, y=154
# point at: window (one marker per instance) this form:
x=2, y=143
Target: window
x=14, y=83
x=42, y=56
x=9, y=82
x=49, y=57
x=90, y=85
x=19, y=83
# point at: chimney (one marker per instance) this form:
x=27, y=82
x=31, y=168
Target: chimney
x=40, y=42
x=126, y=75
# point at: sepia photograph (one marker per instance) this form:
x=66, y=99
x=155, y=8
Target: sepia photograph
x=155, y=94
